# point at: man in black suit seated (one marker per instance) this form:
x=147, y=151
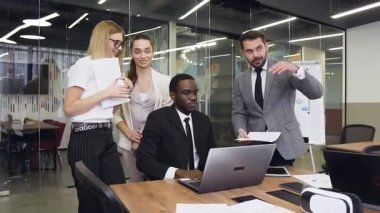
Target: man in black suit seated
x=165, y=150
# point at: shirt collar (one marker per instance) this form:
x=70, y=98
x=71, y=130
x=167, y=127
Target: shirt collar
x=265, y=66
x=182, y=116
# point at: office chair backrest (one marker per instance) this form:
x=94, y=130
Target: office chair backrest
x=374, y=149
x=357, y=133
x=109, y=201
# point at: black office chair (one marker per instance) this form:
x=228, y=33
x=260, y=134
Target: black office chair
x=355, y=133
x=373, y=149
x=109, y=201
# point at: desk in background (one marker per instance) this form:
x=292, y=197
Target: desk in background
x=163, y=195
x=35, y=126
x=353, y=147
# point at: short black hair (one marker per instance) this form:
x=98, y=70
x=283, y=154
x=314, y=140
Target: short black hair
x=251, y=35
x=176, y=79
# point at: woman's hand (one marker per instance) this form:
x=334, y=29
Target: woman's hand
x=118, y=91
x=128, y=83
x=134, y=136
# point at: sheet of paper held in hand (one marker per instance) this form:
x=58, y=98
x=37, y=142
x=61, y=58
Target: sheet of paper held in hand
x=269, y=137
x=106, y=71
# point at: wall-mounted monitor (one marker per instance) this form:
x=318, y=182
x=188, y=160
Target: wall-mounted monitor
x=22, y=78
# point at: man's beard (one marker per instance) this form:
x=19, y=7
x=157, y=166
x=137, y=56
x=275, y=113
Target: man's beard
x=259, y=66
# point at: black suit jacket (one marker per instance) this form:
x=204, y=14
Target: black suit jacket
x=164, y=142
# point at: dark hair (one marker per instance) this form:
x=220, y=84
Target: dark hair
x=176, y=79
x=132, y=75
x=251, y=35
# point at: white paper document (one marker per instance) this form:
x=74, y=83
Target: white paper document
x=269, y=137
x=106, y=71
x=315, y=180
x=201, y=208
x=257, y=205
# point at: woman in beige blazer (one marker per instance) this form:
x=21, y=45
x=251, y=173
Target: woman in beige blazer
x=151, y=91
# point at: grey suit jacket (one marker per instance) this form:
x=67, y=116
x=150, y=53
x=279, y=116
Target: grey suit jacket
x=278, y=110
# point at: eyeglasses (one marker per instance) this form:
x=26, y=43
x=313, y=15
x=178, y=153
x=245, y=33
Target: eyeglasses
x=116, y=43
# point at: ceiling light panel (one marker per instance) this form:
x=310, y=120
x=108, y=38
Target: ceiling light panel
x=193, y=9
x=356, y=10
x=33, y=37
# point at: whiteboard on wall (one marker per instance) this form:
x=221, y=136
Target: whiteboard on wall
x=311, y=113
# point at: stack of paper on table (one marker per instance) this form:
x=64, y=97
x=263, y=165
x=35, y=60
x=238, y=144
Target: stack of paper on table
x=106, y=71
x=315, y=180
x=269, y=137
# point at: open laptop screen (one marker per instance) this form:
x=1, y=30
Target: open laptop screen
x=234, y=167
x=356, y=173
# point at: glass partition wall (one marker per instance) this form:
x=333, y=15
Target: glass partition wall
x=203, y=44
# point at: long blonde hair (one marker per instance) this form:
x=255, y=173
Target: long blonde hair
x=99, y=40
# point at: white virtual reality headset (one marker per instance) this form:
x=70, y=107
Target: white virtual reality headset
x=324, y=201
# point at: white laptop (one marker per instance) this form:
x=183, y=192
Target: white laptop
x=233, y=167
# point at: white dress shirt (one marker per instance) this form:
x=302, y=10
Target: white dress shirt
x=299, y=74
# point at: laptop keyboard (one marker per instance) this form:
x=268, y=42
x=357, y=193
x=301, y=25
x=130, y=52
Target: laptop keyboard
x=195, y=184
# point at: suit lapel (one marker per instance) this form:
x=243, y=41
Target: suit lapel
x=176, y=121
x=268, y=84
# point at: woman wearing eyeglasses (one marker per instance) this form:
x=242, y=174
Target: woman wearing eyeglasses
x=150, y=92
x=91, y=138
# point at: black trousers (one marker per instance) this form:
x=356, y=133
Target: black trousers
x=98, y=152
x=278, y=160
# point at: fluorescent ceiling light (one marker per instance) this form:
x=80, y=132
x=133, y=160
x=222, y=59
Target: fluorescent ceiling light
x=53, y=15
x=3, y=54
x=316, y=37
x=329, y=59
x=271, y=45
x=33, y=37
x=237, y=56
x=154, y=59
x=129, y=58
x=78, y=20
x=7, y=41
x=180, y=48
x=272, y=24
x=357, y=10
x=101, y=1
x=142, y=31
x=186, y=48
x=4, y=39
x=212, y=40
x=288, y=56
x=336, y=48
x=333, y=63
x=194, y=9
x=218, y=56
x=14, y=31
x=36, y=22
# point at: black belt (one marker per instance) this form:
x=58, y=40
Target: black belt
x=80, y=127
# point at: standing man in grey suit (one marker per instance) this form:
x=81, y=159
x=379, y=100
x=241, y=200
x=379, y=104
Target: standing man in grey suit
x=263, y=98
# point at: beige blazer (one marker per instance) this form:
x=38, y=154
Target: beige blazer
x=161, y=91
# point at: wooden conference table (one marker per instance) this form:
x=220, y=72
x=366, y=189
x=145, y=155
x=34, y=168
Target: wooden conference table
x=162, y=196
x=353, y=147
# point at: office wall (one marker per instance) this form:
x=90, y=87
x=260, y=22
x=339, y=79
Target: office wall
x=363, y=75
